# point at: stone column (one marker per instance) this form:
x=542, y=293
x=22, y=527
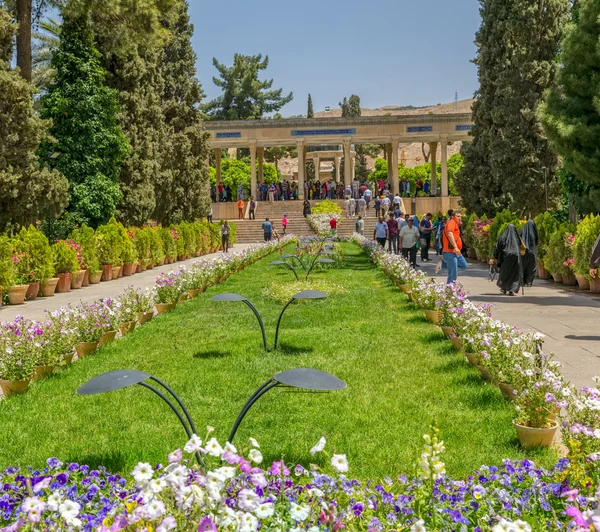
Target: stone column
x=218, y=165
x=433, y=158
x=444, y=141
x=338, y=160
x=261, y=159
x=347, y=163
x=300, y=144
x=353, y=167
x=388, y=158
x=317, y=163
x=395, y=177
x=253, y=169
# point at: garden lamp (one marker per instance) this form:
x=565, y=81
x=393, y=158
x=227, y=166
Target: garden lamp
x=286, y=264
x=299, y=378
x=236, y=297
x=123, y=378
x=292, y=256
x=306, y=294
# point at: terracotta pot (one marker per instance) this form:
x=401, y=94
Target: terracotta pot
x=183, y=298
x=409, y=295
x=41, y=372
x=68, y=360
x=484, y=372
x=127, y=269
x=48, y=287
x=180, y=257
x=163, y=308
x=115, y=272
x=582, y=281
x=77, y=279
x=542, y=272
x=86, y=279
x=558, y=278
x=447, y=330
x=569, y=280
x=85, y=348
x=32, y=291
x=144, y=265
x=107, y=338
x=595, y=286
x=433, y=316
x=64, y=283
x=95, y=278
x=138, y=268
x=106, y=272
x=532, y=438
x=14, y=387
x=16, y=294
x=456, y=343
x=127, y=327
x=193, y=292
x=120, y=274
x=162, y=261
x=404, y=287
x=508, y=391
x=472, y=358
x=143, y=317
x=150, y=266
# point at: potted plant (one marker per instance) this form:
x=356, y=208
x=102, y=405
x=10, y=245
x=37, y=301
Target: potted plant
x=168, y=290
x=168, y=242
x=78, y=274
x=558, y=258
x=547, y=225
x=126, y=308
x=91, y=321
x=37, y=264
x=128, y=253
x=65, y=263
x=22, y=276
x=144, y=305
x=157, y=252
x=179, y=241
x=587, y=233
x=16, y=363
x=6, y=265
x=86, y=238
x=110, y=320
x=62, y=335
x=109, y=243
x=42, y=341
x=143, y=241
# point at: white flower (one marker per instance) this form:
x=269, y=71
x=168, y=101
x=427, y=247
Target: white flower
x=299, y=512
x=226, y=471
x=264, y=510
x=248, y=522
x=215, y=480
x=229, y=447
x=156, y=485
x=319, y=447
x=69, y=509
x=419, y=526
x=248, y=500
x=255, y=456
x=213, y=447
x=339, y=463
x=254, y=443
x=142, y=472
x=33, y=504
x=154, y=509
x=53, y=502
x=193, y=445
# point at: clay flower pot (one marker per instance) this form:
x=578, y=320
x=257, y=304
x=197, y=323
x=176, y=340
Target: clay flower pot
x=17, y=293
x=85, y=348
x=120, y=274
x=64, y=283
x=127, y=327
x=13, y=387
x=163, y=308
x=569, y=280
x=68, y=360
x=193, y=292
x=41, y=372
x=582, y=281
x=107, y=338
x=95, y=278
x=127, y=269
x=532, y=438
x=77, y=279
x=472, y=358
x=150, y=266
x=32, y=291
x=86, y=279
x=542, y=272
x=143, y=317
x=183, y=298
x=432, y=315
x=595, y=286
x=106, y=272
x=484, y=372
x=447, y=330
x=558, y=278
x=507, y=390
x=456, y=343
x=404, y=287
x=48, y=287
x=115, y=272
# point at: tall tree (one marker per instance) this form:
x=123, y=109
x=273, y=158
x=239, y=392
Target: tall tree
x=183, y=193
x=517, y=42
x=244, y=95
x=310, y=113
x=27, y=191
x=47, y=41
x=90, y=145
x=571, y=111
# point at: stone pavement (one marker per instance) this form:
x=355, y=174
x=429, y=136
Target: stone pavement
x=36, y=309
x=568, y=317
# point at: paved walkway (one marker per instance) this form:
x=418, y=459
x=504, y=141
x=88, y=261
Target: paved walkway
x=568, y=317
x=36, y=309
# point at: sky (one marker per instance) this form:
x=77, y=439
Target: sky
x=389, y=52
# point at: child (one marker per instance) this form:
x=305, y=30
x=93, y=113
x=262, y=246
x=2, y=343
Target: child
x=284, y=222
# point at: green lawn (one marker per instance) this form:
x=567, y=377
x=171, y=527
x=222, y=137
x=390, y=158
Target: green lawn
x=401, y=376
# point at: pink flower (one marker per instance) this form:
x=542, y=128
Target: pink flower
x=207, y=525
x=577, y=516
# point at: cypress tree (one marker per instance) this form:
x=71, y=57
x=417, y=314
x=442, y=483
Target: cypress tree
x=310, y=112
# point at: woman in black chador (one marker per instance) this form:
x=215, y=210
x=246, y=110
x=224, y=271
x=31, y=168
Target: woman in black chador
x=508, y=256
x=529, y=236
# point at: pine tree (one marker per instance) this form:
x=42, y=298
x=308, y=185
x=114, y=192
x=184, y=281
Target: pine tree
x=570, y=114
x=27, y=191
x=310, y=112
x=90, y=145
x=183, y=192
x=517, y=42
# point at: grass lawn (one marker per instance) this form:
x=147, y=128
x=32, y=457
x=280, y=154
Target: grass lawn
x=401, y=376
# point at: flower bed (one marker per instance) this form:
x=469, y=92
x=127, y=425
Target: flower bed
x=320, y=222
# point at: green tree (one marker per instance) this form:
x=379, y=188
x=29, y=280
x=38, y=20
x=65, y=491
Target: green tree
x=310, y=113
x=183, y=192
x=571, y=111
x=244, y=95
x=47, y=40
x=89, y=145
x=517, y=45
x=27, y=191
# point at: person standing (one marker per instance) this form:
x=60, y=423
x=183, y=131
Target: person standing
x=251, y=214
x=210, y=215
x=360, y=226
x=267, y=228
x=220, y=191
x=225, y=236
x=380, y=233
x=426, y=228
x=508, y=257
x=438, y=227
x=452, y=246
x=392, y=234
x=306, y=208
x=397, y=201
x=362, y=206
x=529, y=236
x=240, y=206
x=333, y=226
x=352, y=207
x=367, y=195
x=409, y=236
x=348, y=192
x=377, y=206
x=271, y=193
x=385, y=205
x=284, y=222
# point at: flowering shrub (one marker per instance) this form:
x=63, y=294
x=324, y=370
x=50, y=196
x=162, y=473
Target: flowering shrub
x=320, y=222
x=17, y=359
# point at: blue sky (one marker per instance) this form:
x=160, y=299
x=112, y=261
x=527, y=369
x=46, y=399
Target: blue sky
x=402, y=52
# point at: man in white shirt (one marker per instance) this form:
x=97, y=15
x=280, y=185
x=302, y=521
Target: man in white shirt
x=409, y=236
x=367, y=195
x=385, y=205
x=352, y=207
